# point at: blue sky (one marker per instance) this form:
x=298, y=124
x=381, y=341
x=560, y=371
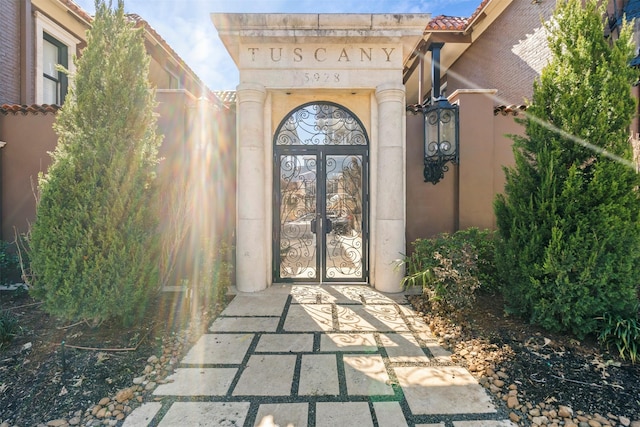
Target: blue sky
x=187, y=27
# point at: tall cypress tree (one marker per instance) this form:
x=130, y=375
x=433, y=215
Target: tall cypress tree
x=569, y=217
x=93, y=244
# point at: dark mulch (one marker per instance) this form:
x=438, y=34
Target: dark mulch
x=43, y=376
x=558, y=368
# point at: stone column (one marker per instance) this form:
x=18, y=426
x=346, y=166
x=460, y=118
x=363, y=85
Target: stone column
x=390, y=189
x=251, y=241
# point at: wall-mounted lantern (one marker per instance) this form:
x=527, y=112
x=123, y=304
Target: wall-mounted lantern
x=441, y=125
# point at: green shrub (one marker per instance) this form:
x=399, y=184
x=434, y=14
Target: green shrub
x=449, y=268
x=215, y=275
x=483, y=243
x=624, y=334
x=569, y=219
x=9, y=265
x=9, y=326
x=94, y=244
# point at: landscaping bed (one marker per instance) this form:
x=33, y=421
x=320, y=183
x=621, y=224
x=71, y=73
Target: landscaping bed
x=543, y=378
x=57, y=374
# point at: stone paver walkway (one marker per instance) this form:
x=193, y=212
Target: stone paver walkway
x=308, y=356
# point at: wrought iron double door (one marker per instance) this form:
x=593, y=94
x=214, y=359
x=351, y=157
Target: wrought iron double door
x=320, y=214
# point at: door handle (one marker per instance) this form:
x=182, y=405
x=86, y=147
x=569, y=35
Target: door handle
x=328, y=226
x=313, y=226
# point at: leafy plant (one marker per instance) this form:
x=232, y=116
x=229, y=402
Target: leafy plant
x=569, y=219
x=94, y=247
x=621, y=332
x=215, y=275
x=447, y=267
x=9, y=326
x=9, y=266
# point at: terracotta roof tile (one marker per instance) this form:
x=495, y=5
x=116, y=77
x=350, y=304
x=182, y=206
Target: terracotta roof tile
x=28, y=109
x=226, y=96
x=140, y=22
x=506, y=110
x=447, y=23
x=455, y=23
x=478, y=10
x=77, y=10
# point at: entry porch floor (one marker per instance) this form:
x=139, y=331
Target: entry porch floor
x=319, y=355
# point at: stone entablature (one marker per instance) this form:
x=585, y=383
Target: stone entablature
x=320, y=56
x=239, y=31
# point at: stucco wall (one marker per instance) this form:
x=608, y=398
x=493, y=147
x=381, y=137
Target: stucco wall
x=430, y=208
x=508, y=56
x=196, y=171
x=464, y=198
x=198, y=148
x=504, y=126
x=29, y=138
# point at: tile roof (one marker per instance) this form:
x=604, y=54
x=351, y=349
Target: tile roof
x=225, y=96
x=139, y=22
x=455, y=23
x=28, y=109
x=447, y=23
x=506, y=110
x=77, y=10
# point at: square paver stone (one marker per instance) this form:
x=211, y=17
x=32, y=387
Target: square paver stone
x=442, y=390
x=418, y=324
x=205, y=414
x=318, y=375
x=366, y=375
x=438, y=352
x=408, y=311
x=332, y=414
x=283, y=415
x=371, y=296
x=389, y=414
x=219, y=349
x=309, y=318
x=285, y=343
x=348, y=342
x=142, y=415
x=197, y=382
x=306, y=294
x=383, y=318
x=403, y=347
x=267, y=375
x=256, y=305
x=341, y=294
x=245, y=324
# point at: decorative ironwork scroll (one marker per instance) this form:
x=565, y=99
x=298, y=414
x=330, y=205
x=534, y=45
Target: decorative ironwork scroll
x=321, y=124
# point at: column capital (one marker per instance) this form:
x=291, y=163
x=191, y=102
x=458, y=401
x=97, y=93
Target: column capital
x=390, y=92
x=251, y=92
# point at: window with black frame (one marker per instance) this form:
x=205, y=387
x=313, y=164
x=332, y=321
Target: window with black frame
x=54, y=82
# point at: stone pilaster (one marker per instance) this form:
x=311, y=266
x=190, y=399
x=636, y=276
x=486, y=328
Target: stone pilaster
x=389, y=238
x=252, y=265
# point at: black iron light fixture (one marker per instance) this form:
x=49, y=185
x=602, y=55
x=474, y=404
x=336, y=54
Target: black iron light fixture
x=441, y=125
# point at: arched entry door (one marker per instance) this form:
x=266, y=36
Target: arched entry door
x=321, y=196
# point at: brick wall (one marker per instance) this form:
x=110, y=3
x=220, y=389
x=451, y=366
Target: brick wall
x=10, y=51
x=508, y=56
